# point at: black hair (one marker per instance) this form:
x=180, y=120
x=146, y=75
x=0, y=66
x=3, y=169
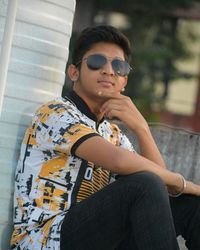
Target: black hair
x=96, y=34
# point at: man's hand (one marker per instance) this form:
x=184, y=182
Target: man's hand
x=192, y=188
x=121, y=107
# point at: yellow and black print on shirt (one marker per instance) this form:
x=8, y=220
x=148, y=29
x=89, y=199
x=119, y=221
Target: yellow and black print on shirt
x=49, y=177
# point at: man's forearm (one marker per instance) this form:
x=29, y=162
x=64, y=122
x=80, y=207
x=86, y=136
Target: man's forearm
x=148, y=147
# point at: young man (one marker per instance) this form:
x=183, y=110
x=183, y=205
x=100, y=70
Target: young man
x=66, y=195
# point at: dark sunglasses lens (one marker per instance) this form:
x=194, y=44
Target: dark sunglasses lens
x=120, y=67
x=95, y=62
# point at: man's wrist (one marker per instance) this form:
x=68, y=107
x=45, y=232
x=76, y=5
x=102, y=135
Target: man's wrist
x=180, y=188
x=142, y=130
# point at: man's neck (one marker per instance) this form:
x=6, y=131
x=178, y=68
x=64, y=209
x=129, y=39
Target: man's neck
x=93, y=104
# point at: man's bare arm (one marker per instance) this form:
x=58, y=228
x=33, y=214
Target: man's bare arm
x=122, y=107
x=119, y=160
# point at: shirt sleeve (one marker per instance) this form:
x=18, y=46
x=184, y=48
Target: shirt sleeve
x=61, y=130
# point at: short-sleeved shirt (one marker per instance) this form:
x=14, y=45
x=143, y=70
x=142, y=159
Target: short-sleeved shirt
x=50, y=178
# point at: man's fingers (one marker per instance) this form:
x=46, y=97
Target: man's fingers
x=110, y=107
x=108, y=95
x=111, y=104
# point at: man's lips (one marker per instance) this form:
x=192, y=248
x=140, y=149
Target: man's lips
x=106, y=82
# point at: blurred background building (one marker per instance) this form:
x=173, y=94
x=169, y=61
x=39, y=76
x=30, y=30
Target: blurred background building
x=165, y=35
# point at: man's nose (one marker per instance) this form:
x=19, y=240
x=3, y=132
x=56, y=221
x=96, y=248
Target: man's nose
x=107, y=68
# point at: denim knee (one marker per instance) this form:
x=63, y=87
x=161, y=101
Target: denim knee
x=146, y=183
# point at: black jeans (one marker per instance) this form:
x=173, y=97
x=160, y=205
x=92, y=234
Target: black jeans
x=134, y=212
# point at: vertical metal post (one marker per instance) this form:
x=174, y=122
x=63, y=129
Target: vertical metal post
x=6, y=46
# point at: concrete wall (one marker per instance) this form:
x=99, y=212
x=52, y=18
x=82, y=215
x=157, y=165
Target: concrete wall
x=36, y=73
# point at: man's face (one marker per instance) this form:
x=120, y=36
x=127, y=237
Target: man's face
x=90, y=82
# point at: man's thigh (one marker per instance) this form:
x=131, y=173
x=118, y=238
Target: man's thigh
x=98, y=222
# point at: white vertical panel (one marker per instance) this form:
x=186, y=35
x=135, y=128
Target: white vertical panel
x=6, y=46
x=35, y=75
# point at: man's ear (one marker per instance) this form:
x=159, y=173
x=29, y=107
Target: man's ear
x=73, y=72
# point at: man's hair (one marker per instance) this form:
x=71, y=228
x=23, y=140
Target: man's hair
x=96, y=34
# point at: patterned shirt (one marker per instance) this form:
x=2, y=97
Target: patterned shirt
x=50, y=178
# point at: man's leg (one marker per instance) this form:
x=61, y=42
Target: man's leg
x=136, y=203
x=186, y=214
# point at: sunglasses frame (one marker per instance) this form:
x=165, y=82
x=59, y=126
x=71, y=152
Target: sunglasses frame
x=107, y=59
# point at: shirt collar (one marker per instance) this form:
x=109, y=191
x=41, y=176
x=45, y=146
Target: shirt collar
x=81, y=105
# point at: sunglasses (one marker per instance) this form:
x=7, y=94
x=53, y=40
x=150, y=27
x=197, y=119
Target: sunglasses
x=97, y=61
